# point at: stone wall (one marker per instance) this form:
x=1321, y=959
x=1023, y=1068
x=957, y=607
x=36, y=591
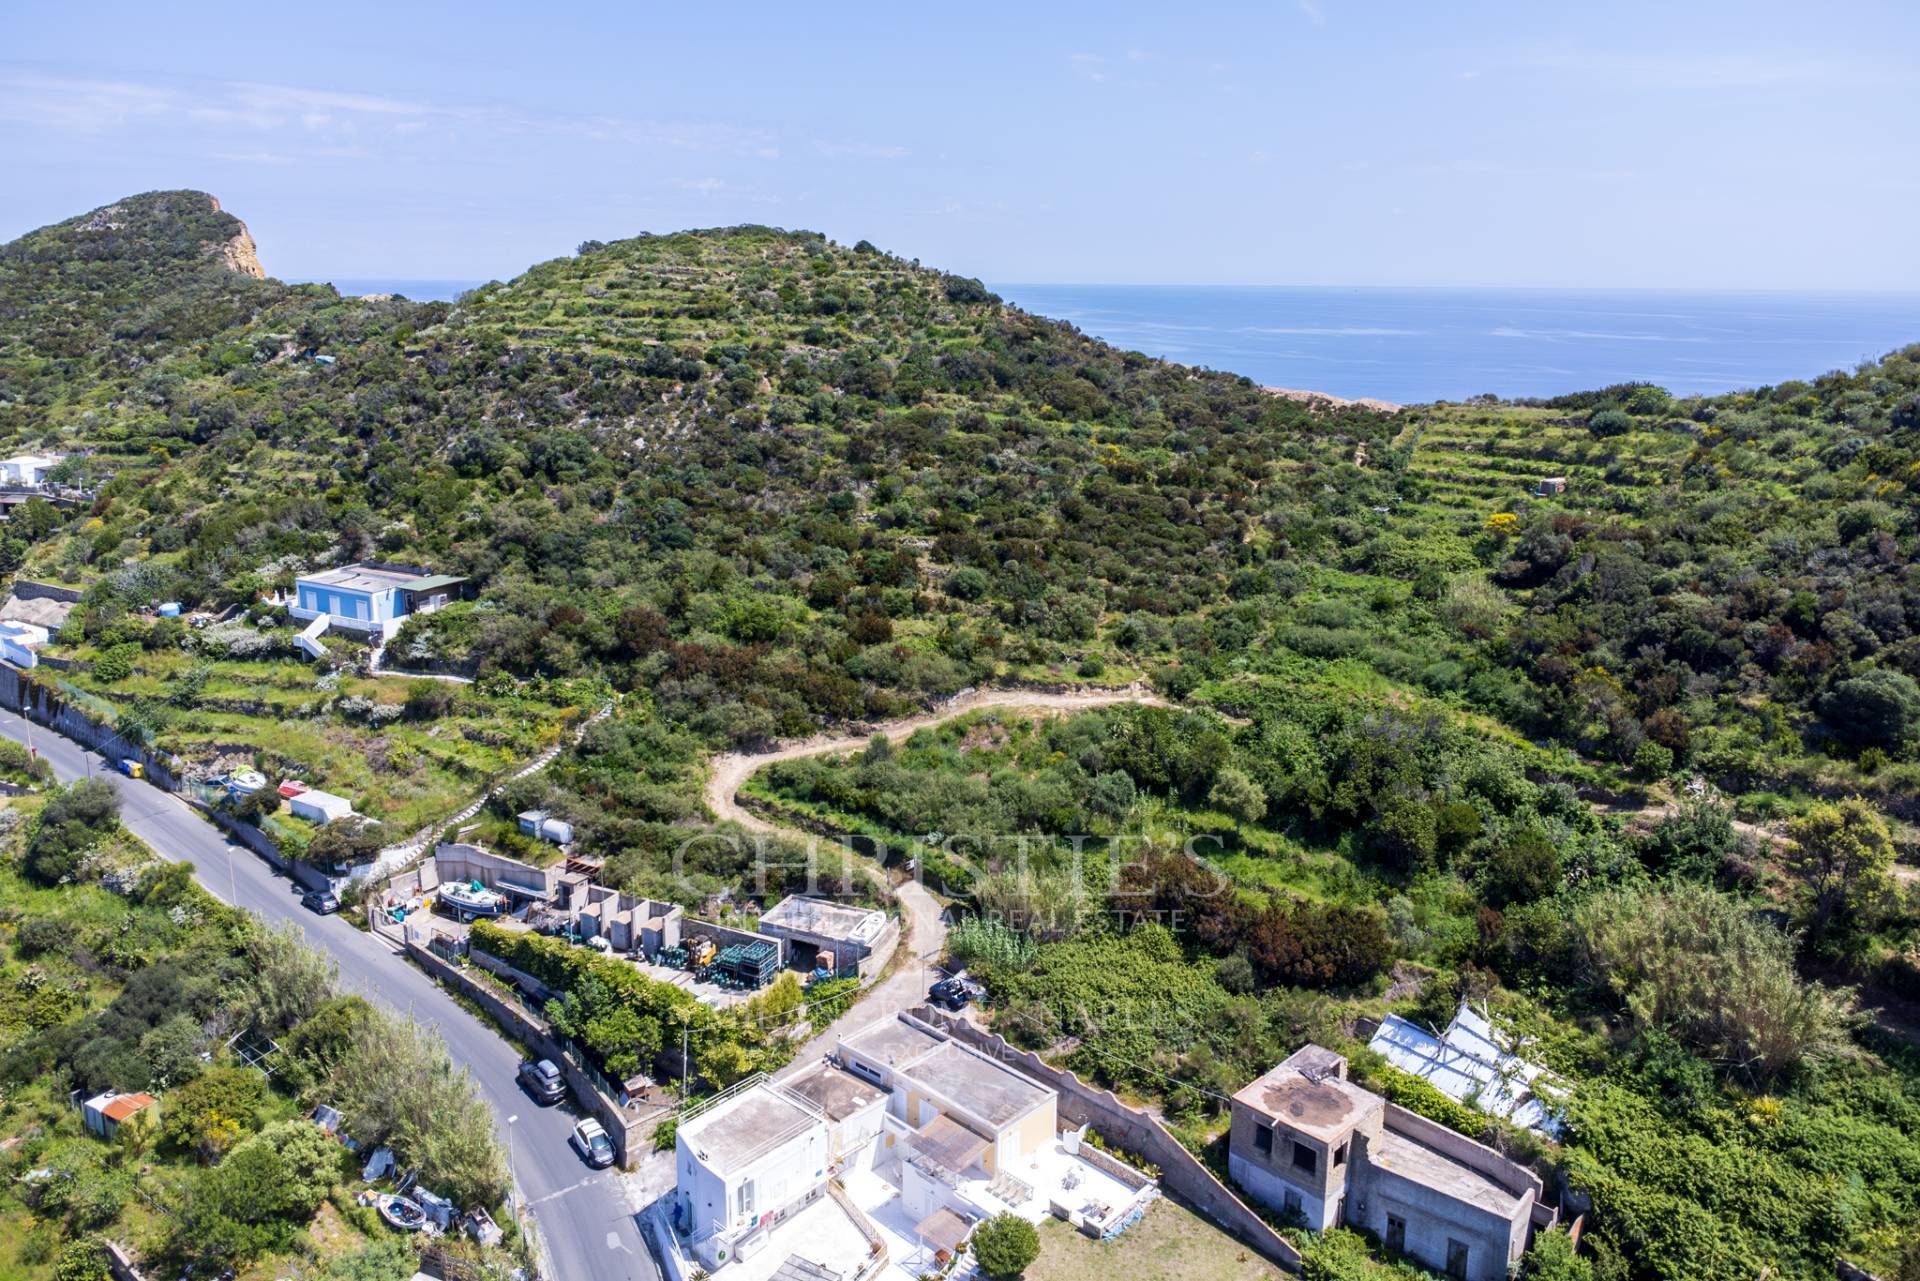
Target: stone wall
x=1134, y=1132
x=43, y=705
x=27, y=589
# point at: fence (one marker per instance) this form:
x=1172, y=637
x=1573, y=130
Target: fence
x=1134, y=1131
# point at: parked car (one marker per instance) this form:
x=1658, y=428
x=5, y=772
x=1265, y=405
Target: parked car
x=541, y=1078
x=956, y=993
x=321, y=901
x=591, y=1142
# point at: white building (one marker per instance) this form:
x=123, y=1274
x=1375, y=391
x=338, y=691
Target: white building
x=883, y=1158
x=29, y=469
x=370, y=597
x=19, y=641
x=319, y=807
x=748, y=1159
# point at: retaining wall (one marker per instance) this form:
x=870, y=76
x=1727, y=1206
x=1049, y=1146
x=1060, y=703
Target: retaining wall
x=1135, y=1132
x=43, y=705
x=630, y=1132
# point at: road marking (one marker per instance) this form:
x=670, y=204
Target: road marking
x=554, y=1196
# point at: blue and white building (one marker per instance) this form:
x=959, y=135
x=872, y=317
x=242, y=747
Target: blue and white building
x=370, y=597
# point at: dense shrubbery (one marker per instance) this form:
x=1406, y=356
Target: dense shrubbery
x=623, y=1017
x=176, y=975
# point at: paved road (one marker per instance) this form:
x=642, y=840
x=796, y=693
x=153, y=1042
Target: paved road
x=589, y=1230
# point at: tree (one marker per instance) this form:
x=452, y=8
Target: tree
x=1522, y=868
x=1692, y=842
x=1236, y=794
x=1876, y=708
x=345, y=842
x=310, y=1162
x=213, y=1112
x=83, y=1260
x=1005, y=1246
x=1610, y=422
x=72, y=823
x=1696, y=963
x=289, y=980
x=1553, y=1259
x=1842, y=856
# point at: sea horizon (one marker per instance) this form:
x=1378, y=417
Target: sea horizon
x=1418, y=343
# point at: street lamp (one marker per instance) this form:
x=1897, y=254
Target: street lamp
x=513, y=1178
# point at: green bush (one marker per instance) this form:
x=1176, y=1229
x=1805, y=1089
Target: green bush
x=1005, y=1246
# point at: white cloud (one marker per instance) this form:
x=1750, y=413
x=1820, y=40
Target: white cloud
x=96, y=107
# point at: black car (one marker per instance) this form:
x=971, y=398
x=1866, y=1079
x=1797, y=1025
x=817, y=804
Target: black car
x=955, y=993
x=321, y=901
x=541, y=1078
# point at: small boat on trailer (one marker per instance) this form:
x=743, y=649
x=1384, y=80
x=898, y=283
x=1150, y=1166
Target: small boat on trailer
x=471, y=898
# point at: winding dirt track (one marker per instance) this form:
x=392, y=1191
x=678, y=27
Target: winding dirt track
x=732, y=769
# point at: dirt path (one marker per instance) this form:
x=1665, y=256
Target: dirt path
x=732, y=769
x=923, y=916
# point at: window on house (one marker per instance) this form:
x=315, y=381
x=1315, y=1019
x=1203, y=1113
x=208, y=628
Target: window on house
x=1291, y=1202
x=1340, y=1155
x=1456, y=1258
x=746, y=1197
x=1263, y=1139
x=1305, y=1158
x=1396, y=1233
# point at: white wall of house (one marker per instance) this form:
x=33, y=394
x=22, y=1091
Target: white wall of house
x=720, y=1207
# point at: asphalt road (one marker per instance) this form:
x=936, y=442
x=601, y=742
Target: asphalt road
x=589, y=1232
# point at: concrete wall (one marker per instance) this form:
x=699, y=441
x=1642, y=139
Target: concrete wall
x=120, y=1263
x=630, y=1131
x=463, y=862
x=1433, y=1219
x=1133, y=1131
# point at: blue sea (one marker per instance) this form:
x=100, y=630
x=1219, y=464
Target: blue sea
x=1413, y=345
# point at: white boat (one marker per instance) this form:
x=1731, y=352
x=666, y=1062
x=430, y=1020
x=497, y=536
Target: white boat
x=471, y=898
x=400, y=1213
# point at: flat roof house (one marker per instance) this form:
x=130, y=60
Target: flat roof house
x=749, y=1158
x=816, y=925
x=29, y=469
x=1307, y=1141
x=370, y=597
x=916, y=1135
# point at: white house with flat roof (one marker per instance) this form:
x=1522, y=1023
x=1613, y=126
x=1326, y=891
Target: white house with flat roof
x=29, y=469
x=749, y=1158
x=370, y=597
x=874, y=1163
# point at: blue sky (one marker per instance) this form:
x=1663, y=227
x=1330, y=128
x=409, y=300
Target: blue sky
x=1691, y=145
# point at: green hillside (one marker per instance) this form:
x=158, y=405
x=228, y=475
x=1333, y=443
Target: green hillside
x=1442, y=730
